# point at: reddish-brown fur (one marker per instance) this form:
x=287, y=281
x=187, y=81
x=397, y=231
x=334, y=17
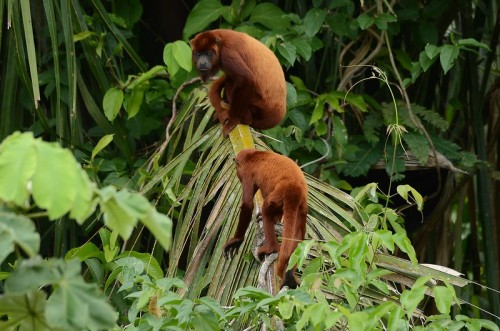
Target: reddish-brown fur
x=253, y=81
x=284, y=190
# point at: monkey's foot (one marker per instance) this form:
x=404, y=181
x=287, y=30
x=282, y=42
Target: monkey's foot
x=231, y=247
x=266, y=250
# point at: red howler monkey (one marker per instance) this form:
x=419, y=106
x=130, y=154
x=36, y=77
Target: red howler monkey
x=284, y=190
x=253, y=80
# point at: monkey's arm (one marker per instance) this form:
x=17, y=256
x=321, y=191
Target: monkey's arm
x=246, y=211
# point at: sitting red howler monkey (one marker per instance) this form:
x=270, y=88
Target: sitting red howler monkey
x=284, y=190
x=253, y=80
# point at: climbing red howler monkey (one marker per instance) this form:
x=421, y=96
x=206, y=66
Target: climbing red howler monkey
x=253, y=81
x=284, y=190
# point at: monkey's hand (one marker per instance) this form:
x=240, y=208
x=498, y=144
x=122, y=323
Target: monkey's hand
x=229, y=125
x=266, y=250
x=231, y=247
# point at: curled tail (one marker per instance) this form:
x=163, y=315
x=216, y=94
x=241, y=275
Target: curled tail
x=294, y=230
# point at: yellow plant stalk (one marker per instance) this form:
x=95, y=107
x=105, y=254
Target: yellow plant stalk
x=241, y=138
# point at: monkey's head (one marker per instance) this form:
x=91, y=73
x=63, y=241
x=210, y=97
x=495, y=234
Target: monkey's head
x=206, y=54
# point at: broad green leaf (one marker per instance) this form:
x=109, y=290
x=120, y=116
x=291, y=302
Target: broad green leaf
x=84, y=252
x=443, y=297
x=331, y=319
x=319, y=311
x=202, y=14
x=303, y=48
x=25, y=311
x=304, y=318
x=75, y=304
x=410, y=299
x=365, y=21
x=6, y=241
x=270, y=16
x=382, y=20
x=152, y=266
x=84, y=203
x=317, y=112
x=32, y=274
x=129, y=10
x=291, y=94
x=118, y=216
x=160, y=226
x=339, y=131
x=103, y=142
x=357, y=101
x=182, y=55
x=54, y=179
x=112, y=102
x=385, y=237
x=168, y=59
x=417, y=197
x=425, y=61
x=405, y=245
x=479, y=323
x=432, y=51
x=133, y=101
x=18, y=230
x=313, y=21
x=17, y=166
x=473, y=43
x=287, y=50
x=359, y=320
x=213, y=305
x=286, y=309
x=449, y=53
x=321, y=128
x=358, y=252
x=252, y=293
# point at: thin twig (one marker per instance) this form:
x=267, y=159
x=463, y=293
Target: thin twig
x=417, y=123
x=164, y=145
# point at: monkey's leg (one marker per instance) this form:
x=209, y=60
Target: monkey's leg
x=272, y=210
x=245, y=217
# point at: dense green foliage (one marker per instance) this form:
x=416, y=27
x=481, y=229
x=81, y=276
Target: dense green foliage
x=108, y=171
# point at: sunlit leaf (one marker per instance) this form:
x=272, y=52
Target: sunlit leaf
x=101, y=144
x=112, y=102
x=448, y=55
x=443, y=297
x=17, y=230
x=182, y=54
x=133, y=101
x=25, y=311
x=270, y=16
x=202, y=14
x=17, y=166
x=313, y=21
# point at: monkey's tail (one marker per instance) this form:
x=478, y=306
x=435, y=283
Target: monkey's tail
x=294, y=230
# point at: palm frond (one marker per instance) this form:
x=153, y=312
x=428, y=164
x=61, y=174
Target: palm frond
x=207, y=208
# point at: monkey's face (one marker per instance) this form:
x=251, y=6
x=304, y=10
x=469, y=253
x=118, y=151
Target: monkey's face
x=205, y=48
x=205, y=63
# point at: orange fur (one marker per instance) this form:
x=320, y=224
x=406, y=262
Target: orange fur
x=253, y=80
x=284, y=189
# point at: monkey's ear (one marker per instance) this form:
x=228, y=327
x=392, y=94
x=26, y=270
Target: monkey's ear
x=191, y=42
x=217, y=41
